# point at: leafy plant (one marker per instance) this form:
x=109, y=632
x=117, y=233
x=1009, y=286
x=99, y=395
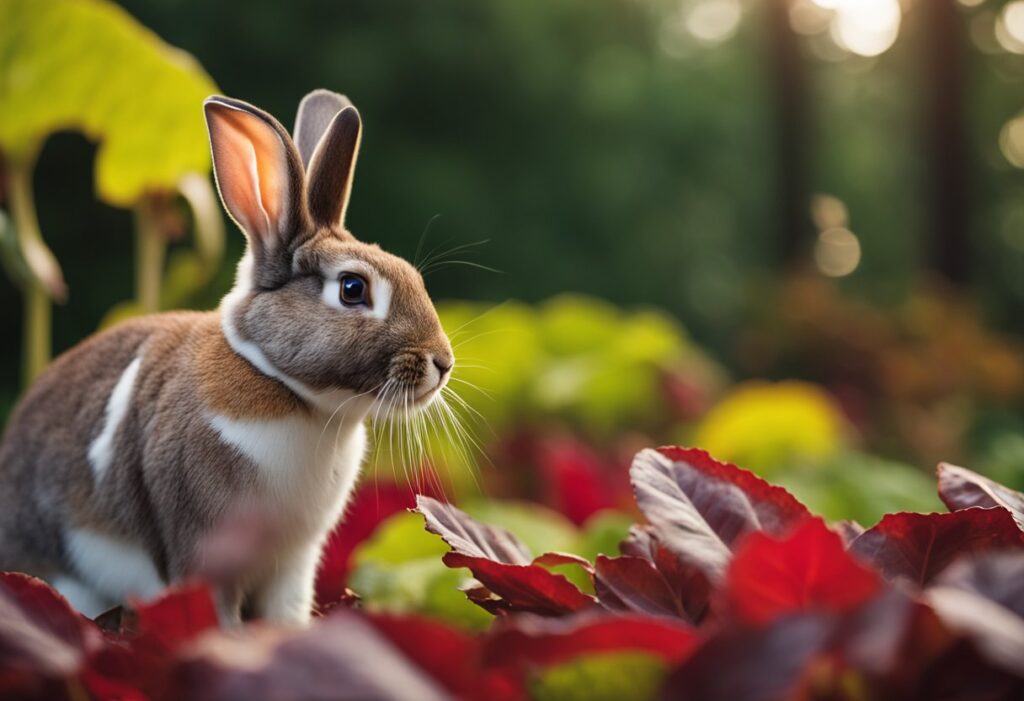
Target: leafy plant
x=731, y=589
x=87, y=65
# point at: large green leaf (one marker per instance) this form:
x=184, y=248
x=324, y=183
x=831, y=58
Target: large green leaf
x=87, y=65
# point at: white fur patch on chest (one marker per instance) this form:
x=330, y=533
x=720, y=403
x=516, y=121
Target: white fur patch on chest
x=101, y=451
x=306, y=470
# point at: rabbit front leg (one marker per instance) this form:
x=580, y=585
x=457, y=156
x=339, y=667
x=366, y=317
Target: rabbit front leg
x=287, y=594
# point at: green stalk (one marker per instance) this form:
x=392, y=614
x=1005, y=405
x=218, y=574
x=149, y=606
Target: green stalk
x=150, y=251
x=37, y=332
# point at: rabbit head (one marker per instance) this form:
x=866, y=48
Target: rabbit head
x=325, y=313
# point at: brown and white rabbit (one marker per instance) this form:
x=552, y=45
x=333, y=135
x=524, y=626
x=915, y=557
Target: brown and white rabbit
x=129, y=450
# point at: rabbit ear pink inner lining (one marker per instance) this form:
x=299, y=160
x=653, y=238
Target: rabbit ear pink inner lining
x=249, y=160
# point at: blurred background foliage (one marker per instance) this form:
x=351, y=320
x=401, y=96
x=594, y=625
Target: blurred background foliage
x=788, y=231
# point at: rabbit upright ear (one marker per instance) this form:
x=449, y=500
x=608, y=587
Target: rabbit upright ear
x=316, y=111
x=258, y=173
x=329, y=182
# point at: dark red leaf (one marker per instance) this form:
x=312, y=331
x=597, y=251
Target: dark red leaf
x=765, y=664
x=529, y=641
x=996, y=631
x=469, y=537
x=524, y=587
x=339, y=657
x=919, y=546
x=41, y=636
x=634, y=585
x=448, y=655
x=700, y=507
x=502, y=563
x=689, y=585
x=983, y=598
x=960, y=488
x=178, y=616
x=998, y=576
x=808, y=570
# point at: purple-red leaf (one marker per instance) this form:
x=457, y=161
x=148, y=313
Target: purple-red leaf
x=808, y=570
x=340, y=657
x=502, y=563
x=960, y=488
x=919, y=546
x=700, y=507
x=178, y=616
x=983, y=598
x=530, y=641
x=469, y=537
x=634, y=585
x=765, y=664
x=524, y=587
x=998, y=576
x=41, y=636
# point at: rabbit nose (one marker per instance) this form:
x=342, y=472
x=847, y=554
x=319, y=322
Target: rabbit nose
x=443, y=365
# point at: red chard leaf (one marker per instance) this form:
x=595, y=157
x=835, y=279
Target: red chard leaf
x=765, y=664
x=529, y=588
x=469, y=537
x=808, y=570
x=634, y=585
x=960, y=488
x=919, y=546
x=502, y=563
x=998, y=576
x=178, y=616
x=41, y=636
x=531, y=641
x=700, y=507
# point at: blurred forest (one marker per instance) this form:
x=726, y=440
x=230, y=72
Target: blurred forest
x=816, y=189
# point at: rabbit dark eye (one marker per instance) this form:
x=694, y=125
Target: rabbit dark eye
x=354, y=290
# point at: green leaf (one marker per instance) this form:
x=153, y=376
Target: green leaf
x=602, y=534
x=399, y=570
x=860, y=487
x=87, y=65
x=626, y=676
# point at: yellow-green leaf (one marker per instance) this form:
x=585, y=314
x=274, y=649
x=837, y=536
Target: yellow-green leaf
x=87, y=65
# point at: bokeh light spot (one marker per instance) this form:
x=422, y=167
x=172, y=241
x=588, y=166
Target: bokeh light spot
x=837, y=252
x=714, y=21
x=866, y=27
x=1010, y=27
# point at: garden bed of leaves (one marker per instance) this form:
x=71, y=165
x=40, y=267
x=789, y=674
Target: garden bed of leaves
x=730, y=589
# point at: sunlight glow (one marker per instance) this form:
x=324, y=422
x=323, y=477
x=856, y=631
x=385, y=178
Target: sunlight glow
x=1010, y=27
x=714, y=21
x=866, y=27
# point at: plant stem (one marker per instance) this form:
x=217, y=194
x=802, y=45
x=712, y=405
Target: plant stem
x=36, y=327
x=150, y=251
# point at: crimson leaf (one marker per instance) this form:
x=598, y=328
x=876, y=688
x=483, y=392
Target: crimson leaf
x=960, y=488
x=633, y=584
x=530, y=641
x=41, y=636
x=919, y=546
x=502, y=563
x=700, y=507
x=807, y=570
